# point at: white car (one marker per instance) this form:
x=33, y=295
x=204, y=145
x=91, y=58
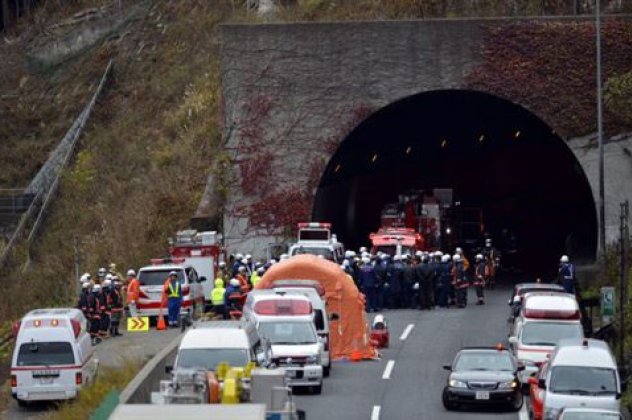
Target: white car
x=317, y=239
x=53, y=356
x=152, y=279
x=581, y=373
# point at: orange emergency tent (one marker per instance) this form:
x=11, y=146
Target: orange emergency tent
x=349, y=335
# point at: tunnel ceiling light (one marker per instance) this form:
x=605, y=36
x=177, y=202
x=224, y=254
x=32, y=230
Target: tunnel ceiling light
x=337, y=168
x=374, y=158
x=517, y=134
x=481, y=138
x=444, y=143
x=409, y=150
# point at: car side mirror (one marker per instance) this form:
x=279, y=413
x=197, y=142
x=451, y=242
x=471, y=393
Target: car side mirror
x=513, y=340
x=202, y=279
x=168, y=369
x=521, y=368
x=447, y=367
x=541, y=383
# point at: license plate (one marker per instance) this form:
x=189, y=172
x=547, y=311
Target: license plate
x=482, y=395
x=45, y=373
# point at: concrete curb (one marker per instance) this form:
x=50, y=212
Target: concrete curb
x=139, y=390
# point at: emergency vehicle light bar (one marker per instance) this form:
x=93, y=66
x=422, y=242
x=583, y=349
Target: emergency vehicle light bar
x=283, y=307
x=317, y=225
x=552, y=314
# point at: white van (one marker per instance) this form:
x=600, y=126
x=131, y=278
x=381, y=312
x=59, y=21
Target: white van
x=544, y=319
x=315, y=294
x=286, y=324
x=581, y=373
x=207, y=344
x=53, y=356
x=152, y=279
x=316, y=239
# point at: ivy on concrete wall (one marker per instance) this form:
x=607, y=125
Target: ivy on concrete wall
x=549, y=68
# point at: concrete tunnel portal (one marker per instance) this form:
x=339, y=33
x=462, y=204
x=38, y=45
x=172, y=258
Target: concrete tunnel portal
x=495, y=155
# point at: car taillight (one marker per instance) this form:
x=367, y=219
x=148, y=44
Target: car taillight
x=78, y=378
x=14, y=381
x=185, y=290
x=16, y=329
x=76, y=327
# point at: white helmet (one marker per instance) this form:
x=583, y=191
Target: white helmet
x=363, y=249
x=85, y=285
x=458, y=250
x=107, y=282
x=222, y=264
x=261, y=270
x=346, y=263
x=419, y=254
x=445, y=258
x=244, y=261
x=284, y=257
x=479, y=257
x=109, y=277
x=83, y=278
x=273, y=261
x=131, y=273
x=366, y=260
x=383, y=256
x=102, y=272
x=397, y=257
x=239, y=256
x=564, y=259
x=241, y=268
x=348, y=254
x=234, y=282
x=96, y=288
x=248, y=257
x=456, y=257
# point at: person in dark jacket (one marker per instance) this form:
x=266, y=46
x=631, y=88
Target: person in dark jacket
x=445, y=281
x=459, y=281
x=425, y=275
x=409, y=294
x=396, y=283
x=480, y=268
x=381, y=277
x=368, y=284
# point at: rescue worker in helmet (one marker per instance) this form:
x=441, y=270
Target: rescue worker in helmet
x=445, y=281
x=222, y=271
x=217, y=298
x=381, y=278
x=242, y=276
x=236, y=264
x=115, y=302
x=567, y=274
x=100, y=275
x=94, y=309
x=492, y=260
x=82, y=304
x=397, y=280
x=410, y=293
x=426, y=278
x=106, y=314
x=133, y=293
x=233, y=297
x=172, y=298
x=459, y=281
x=479, y=278
x=256, y=276
x=368, y=283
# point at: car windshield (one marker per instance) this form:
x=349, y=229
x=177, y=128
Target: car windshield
x=210, y=358
x=325, y=252
x=494, y=361
x=590, y=415
x=583, y=380
x=45, y=354
x=156, y=277
x=288, y=332
x=549, y=333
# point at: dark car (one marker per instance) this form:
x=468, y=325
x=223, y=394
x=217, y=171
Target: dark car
x=483, y=376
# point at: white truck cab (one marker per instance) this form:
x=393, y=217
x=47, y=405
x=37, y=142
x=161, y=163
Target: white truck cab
x=581, y=373
x=53, y=355
x=286, y=324
x=316, y=239
x=545, y=318
x=152, y=279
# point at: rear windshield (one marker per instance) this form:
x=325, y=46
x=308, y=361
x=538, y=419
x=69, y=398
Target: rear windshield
x=46, y=353
x=583, y=380
x=549, y=333
x=209, y=358
x=156, y=277
x=279, y=332
x=325, y=252
x=591, y=415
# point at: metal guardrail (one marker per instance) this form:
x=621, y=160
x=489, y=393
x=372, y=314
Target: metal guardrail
x=44, y=185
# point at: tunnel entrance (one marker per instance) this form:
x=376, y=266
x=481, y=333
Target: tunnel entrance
x=494, y=155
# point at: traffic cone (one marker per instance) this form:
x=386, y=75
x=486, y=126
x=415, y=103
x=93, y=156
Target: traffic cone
x=160, y=325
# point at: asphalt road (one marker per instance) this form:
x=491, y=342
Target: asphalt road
x=365, y=390
x=112, y=352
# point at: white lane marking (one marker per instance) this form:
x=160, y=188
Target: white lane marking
x=389, y=369
x=406, y=332
x=375, y=413
x=523, y=414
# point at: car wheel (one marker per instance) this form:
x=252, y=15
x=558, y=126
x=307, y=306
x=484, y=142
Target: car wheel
x=22, y=403
x=326, y=370
x=449, y=405
x=317, y=389
x=518, y=401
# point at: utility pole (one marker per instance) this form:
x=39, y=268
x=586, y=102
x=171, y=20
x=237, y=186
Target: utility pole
x=602, y=203
x=623, y=275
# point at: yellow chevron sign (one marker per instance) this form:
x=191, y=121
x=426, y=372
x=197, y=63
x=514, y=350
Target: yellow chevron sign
x=138, y=324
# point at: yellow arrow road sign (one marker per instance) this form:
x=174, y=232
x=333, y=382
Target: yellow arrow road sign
x=138, y=324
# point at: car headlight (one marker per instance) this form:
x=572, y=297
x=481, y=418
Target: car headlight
x=313, y=360
x=551, y=413
x=508, y=385
x=453, y=383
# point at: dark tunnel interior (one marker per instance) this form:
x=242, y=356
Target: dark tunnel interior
x=495, y=155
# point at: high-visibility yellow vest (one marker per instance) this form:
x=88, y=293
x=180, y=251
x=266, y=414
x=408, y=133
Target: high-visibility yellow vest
x=254, y=279
x=174, y=293
x=217, y=295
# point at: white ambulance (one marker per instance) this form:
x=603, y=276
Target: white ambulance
x=316, y=238
x=53, y=356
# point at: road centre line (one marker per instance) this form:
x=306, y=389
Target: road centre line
x=375, y=413
x=523, y=414
x=406, y=332
x=388, y=370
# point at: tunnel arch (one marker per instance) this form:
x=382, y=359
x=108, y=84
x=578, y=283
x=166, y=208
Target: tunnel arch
x=496, y=156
